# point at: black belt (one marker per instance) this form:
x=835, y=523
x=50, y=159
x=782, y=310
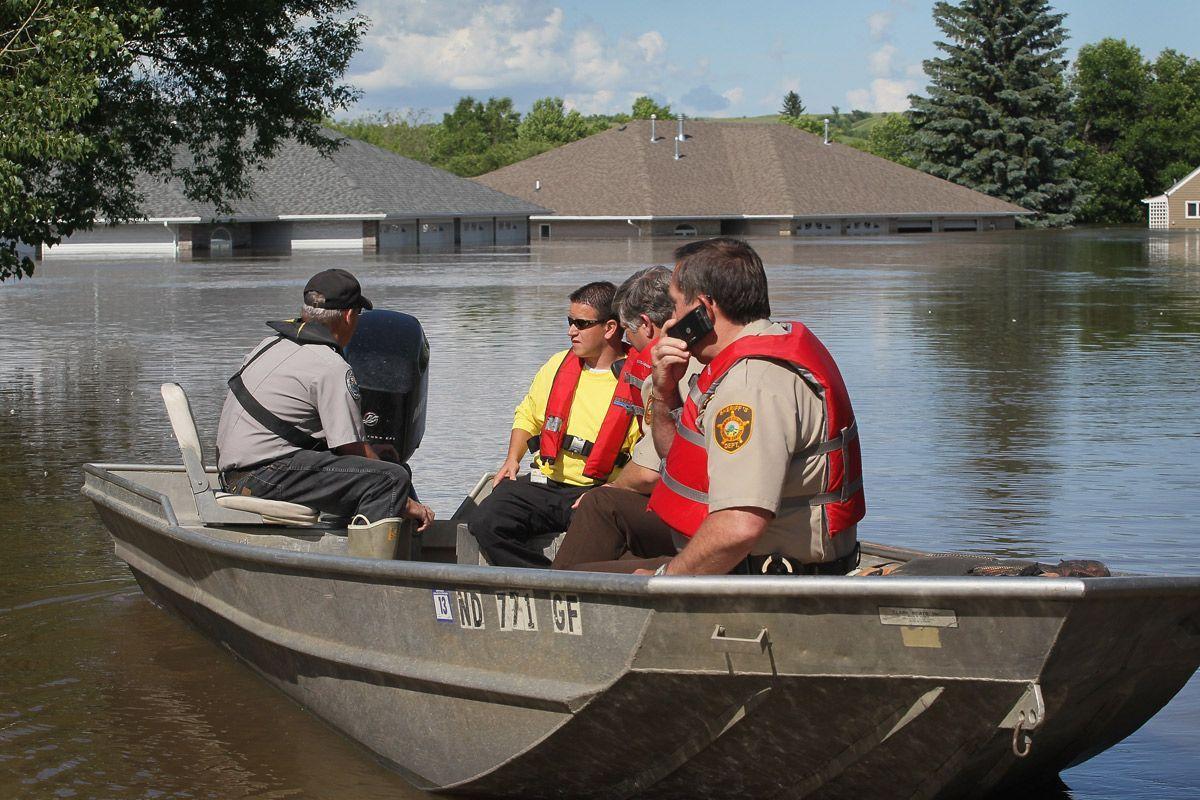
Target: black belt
x=775, y=564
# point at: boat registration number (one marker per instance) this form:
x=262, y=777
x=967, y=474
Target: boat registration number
x=516, y=610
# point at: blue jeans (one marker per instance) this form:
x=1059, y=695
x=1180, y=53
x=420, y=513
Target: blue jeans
x=338, y=485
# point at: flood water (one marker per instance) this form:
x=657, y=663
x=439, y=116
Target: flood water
x=1026, y=394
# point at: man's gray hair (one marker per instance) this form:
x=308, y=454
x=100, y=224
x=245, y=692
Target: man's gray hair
x=645, y=292
x=321, y=315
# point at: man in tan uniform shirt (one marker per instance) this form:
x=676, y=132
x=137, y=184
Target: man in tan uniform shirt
x=758, y=425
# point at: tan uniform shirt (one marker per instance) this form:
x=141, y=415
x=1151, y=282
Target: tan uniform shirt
x=760, y=416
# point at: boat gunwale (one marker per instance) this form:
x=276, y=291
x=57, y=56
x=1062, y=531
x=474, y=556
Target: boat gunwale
x=921, y=589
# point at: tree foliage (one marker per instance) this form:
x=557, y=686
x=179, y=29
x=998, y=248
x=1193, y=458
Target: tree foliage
x=408, y=133
x=792, y=106
x=997, y=118
x=644, y=106
x=92, y=96
x=1138, y=124
x=549, y=121
x=891, y=138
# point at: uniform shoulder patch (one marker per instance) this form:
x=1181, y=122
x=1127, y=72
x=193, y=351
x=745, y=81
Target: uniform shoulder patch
x=734, y=423
x=352, y=386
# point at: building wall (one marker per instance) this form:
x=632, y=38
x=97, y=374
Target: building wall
x=435, y=232
x=336, y=235
x=273, y=237
x=476, y=231
x=1177, y=205
x=397, y=233
x=803, y=227
x=149, y=239
x=514, y=230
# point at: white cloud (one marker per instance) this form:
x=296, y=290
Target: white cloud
x=884, y=94
x=880, y=24
x=735, y=96
x=598, y=102
x=653, y=46
x=481, y=46
x=880, y=61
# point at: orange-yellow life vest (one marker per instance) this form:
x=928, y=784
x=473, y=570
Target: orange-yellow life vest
x=608, y=451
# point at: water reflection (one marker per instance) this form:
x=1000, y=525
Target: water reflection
x=1024, y=393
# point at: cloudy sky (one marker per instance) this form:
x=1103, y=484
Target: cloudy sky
x=703, y=58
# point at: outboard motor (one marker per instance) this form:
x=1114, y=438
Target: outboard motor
x=390, y=358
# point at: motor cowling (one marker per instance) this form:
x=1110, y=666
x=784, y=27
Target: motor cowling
x=390, y=358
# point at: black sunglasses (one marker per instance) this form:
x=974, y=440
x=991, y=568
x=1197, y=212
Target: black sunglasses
x=583, y=324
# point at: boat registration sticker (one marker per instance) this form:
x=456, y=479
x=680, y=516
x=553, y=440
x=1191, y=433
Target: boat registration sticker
x=567, y=613
x=470, y=610
x=442, y=609
x=918, y=617
x=516, y=610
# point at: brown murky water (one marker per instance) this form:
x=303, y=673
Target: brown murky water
x=1028, y=393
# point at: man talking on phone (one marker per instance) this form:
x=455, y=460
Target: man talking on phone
x=762, y=474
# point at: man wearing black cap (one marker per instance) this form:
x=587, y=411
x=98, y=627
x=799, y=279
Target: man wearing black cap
x=291, y=427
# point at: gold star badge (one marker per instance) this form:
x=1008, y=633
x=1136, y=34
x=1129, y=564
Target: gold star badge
x=733, y=426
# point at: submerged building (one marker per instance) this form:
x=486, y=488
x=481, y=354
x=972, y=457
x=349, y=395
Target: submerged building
x=1178, y=208
x=362, y=198
x=708, y=178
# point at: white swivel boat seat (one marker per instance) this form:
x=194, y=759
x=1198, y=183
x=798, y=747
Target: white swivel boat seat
x=216, y=507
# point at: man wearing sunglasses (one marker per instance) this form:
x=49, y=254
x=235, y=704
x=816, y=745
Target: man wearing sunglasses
x=561, y=419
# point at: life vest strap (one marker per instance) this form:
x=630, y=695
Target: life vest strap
x=263, y=416
x=690, y=435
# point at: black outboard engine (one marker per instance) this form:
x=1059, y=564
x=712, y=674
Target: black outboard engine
x=390, y=358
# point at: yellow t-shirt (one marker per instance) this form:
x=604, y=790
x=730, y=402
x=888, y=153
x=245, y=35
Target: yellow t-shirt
x=593, y=396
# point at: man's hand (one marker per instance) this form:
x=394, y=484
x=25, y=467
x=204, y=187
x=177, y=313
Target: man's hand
x=422, y=514
x=508, y=471
x=670, y=358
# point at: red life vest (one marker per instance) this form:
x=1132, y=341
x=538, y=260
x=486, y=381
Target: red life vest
x=603, y=454
x=626, y=404
x=681, y=497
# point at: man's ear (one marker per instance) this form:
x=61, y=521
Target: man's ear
x=710, y=306
x=612, y=330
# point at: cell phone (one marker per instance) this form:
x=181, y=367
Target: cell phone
x=692, y=326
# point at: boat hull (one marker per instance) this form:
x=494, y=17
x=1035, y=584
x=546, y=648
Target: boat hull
x=531, y=683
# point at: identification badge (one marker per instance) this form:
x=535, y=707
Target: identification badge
x=537, y=476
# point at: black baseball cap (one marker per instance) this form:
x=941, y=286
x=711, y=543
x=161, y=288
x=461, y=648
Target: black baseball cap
x=335, y=288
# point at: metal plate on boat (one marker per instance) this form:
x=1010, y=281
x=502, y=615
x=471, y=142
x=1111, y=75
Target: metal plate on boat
x=918, y=617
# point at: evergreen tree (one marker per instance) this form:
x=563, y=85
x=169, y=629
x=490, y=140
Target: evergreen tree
x=998, y=118
x=792, y=106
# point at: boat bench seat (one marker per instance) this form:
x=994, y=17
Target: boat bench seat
x=216, y=507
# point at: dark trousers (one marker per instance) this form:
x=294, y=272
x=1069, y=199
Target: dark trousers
x=517, y=511
x=340, y=485
x=613, y=531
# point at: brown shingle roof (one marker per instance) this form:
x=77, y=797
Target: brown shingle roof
x=728, y=170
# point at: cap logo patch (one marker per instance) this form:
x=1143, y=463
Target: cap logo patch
x=733, y=426
x=370, y=419
x=352, y=386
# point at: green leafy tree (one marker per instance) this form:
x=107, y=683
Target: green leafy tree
x=997, y=118
x=644, y=106
x=408, y=134
x=891, y=138
x=806, y=123
x=461, y=143
x=549, y=121
x=91, y=97
x=792, y=106
x=1138, y=125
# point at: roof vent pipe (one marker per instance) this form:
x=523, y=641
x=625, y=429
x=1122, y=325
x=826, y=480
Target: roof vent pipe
x=537, y=186
x=676, y=149
x=653, y=123
x=827, y=131
x=680, y=136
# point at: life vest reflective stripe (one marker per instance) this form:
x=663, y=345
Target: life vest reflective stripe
x=626, y=404
x=553, y=439
x=681, y=496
